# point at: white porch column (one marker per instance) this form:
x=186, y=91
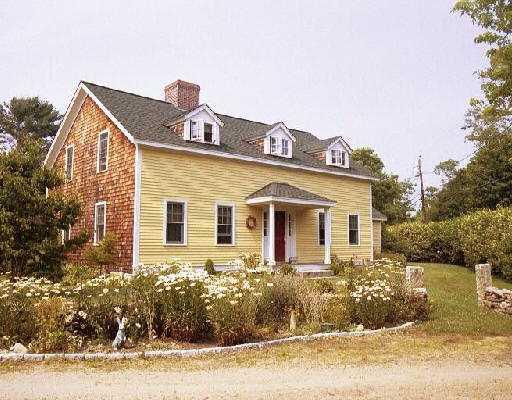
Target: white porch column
x=327, y=246
x=271, y=235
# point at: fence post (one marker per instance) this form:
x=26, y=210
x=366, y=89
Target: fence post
x=483, y=280
x=414, y=277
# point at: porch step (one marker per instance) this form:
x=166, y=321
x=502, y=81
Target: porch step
x=313, y=270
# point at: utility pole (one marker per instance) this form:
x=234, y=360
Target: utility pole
x=423, y=205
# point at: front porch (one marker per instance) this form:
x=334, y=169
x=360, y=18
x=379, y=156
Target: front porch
x=282, y=206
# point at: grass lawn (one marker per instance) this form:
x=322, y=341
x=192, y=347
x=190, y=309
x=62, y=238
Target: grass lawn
x=452, y=290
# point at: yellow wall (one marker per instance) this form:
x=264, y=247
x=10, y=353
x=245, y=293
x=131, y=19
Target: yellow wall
x=377, y=232
x=202, y=180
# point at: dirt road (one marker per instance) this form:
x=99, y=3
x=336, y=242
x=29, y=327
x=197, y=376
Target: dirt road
x=424, y=380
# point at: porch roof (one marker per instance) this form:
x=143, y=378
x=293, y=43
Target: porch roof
x=280, y=192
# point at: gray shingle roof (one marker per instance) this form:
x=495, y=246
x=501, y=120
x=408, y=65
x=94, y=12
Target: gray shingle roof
x=147, y=119
x=281, y=189
x=376, y=214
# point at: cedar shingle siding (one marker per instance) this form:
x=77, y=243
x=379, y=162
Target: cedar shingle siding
x=116, y=185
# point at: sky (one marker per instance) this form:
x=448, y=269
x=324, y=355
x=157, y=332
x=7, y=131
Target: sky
x=389, y=74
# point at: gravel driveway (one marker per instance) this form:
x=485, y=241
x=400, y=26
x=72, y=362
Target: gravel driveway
x=425, y=380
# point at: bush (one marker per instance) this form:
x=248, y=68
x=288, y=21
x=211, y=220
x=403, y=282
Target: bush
x=340, y=266
x=477, y=237
x=209, y=267
x=287, y=269
x=73, y=274
x=396, y=257
x=103, y=254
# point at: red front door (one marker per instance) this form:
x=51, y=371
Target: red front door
x=280, y=229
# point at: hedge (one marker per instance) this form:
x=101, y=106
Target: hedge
x=481, y=236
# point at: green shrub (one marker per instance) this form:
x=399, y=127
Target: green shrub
x=74, y=274
x=481, y=236
x=340, y=266
x=103, y=254
x=397, y=257
x=209, y=267
x=287, y=269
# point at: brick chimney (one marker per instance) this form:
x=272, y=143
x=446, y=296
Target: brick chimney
x=184, y=95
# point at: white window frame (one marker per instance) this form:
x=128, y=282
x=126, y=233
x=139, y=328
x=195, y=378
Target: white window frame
x=71, y=146
x=274, y=148
x=213, y=135
x=318, y=227
x=99, y=203
x=358, y=229
x=185, y=221
x=98, y=151
x=197, y=138
x=233, y=219
x=63, y=234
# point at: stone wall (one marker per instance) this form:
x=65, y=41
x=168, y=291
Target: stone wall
x=414, y=277
x=489, y=296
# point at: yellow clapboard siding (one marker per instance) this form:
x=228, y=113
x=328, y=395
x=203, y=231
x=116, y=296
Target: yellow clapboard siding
x=203, y=180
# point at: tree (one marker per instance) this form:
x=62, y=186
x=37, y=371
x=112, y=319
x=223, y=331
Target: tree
x=30, y=221
x=389, y=195
x=446, y=169
x=27, y=118
x=495, y=18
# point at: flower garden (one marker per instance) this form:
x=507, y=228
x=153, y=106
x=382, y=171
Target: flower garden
x=175, y=302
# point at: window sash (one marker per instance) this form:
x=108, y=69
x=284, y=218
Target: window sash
x=99, y=222
x=102, y=151
x=321, y=228
x=273, y=145
x=336, y=157
x=69, y=162
x=353, y=229
x=284, y=147
x=194, y=130
x=265, y=223
x=208, y=132
x=175, y=222
x=224, y=224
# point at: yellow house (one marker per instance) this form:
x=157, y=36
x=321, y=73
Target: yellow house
x=172, y=178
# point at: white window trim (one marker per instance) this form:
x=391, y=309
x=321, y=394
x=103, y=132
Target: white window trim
x=185, y=221
x=62, y=234
x=358, y=229
x=233, y=220
x=99, y=203
x=318, y=212
x=66, y=163
x=98, y=151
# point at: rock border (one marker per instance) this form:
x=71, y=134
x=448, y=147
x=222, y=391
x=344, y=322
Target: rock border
x=195, y=352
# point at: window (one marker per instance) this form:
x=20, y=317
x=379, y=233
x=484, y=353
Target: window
x=321, y=228
x=194, y=130
x=175, y=222
x=208, y=133
x=336, y=157
x=290, y=222
x=284, y=147
x=225, y=224
x=66, y=235
x=273, y=145
x=100, y=223
x=69, y=162
x=265, y=223
x=102, y=151
x=353, y=229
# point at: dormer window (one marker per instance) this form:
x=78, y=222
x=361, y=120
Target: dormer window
x=202, y=125
x=285, y=147
x=194, y=130
x=278, y=141
x=208, y=132
x=337, y=154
